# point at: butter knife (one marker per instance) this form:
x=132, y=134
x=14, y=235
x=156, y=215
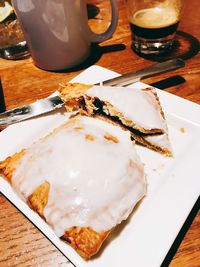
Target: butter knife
x=50, y=103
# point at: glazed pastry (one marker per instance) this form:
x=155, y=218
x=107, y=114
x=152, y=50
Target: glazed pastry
x=138, y=110
x=83, y=179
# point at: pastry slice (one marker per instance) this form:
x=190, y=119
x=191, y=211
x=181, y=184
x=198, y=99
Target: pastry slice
x=138, y=110
x=83, y=179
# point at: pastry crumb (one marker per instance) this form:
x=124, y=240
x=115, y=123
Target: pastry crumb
x=89, y=137
x=182, y=130
x=111, y=138
x=78, y=128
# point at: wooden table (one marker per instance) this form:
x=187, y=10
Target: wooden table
x=21, y=244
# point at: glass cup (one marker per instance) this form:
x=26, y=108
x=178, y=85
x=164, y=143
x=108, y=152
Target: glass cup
x=153, y=24
x=12, y=42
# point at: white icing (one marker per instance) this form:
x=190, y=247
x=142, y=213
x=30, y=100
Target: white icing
x=137, y=105
x=94, y=183
x=160, y=140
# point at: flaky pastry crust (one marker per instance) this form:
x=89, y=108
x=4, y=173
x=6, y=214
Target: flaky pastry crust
x=75, y=98
x=84, y=240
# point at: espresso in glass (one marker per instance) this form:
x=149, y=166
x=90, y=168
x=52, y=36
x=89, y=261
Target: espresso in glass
x=153, y=28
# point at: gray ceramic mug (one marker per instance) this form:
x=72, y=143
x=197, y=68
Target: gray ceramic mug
x=57, y=31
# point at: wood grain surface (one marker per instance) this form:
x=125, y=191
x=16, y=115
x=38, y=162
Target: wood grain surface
x=21, y=244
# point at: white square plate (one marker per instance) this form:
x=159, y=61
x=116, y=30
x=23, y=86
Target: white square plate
x=173, y=183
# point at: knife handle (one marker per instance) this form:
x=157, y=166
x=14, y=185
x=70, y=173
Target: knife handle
x=135, y=76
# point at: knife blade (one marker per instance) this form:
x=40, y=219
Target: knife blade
x=29, y=111
x=50, y=103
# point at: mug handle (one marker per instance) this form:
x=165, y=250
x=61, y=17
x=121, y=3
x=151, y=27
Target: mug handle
x=98, y=38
